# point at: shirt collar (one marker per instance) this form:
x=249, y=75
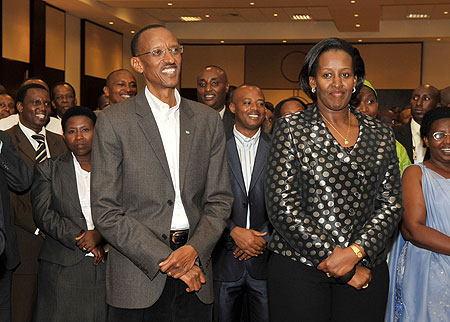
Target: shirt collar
x=29, y=132
x=78, y=168
x=159, y=106
x=243, y=139
x=415, y=127
x=222, y=112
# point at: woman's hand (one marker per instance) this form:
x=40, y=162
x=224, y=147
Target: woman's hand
x=361, y=279
x=88, y=240
x=339, y=263
x=99, y=253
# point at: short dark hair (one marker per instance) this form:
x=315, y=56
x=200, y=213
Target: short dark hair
x=135, y=40
x=277, y=111
x=432, y=116
x=77, y=111
x=61, y=84
x=24, y=89
x=309, y=68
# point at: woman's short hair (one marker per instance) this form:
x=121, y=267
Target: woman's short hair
x=309, y=68
x=432, y=116
x=77, y=111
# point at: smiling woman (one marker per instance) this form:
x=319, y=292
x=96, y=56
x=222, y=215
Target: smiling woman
x=329, y=171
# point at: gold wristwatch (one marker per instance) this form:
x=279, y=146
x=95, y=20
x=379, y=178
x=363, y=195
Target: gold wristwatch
x=357, y=251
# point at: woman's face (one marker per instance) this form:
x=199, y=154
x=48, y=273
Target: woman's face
x=439, y=149
x=78, y=135
x=334, y=80
x=368, y=102
x=291, y=107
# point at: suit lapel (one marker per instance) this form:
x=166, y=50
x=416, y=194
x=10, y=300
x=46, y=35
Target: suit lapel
x=235, y=164
x=148, y=125
x=69, y=176
x=24, y=146
x=260, y=159
x=187, y=136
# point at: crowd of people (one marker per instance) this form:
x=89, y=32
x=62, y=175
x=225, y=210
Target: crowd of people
x=153, y=207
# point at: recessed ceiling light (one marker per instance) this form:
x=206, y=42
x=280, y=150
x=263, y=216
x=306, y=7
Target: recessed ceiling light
x=438, y=39
x=207, y=16
x=418, y=16
x=360, y=40
x=133, y=31
x=357, y=25
x=191, y=19
x=222, y=41
x=445, y=12
x=301, y=17
x=285, y=41
x=275, y=14
x=169, y=3
x=252, y=3
x=356, y=15
x=111, y=22
x=353, y=2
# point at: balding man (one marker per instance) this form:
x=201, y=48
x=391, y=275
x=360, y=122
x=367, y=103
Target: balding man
x=445, y=97
x=423, y=99
x=120, y=85
x=212, y=88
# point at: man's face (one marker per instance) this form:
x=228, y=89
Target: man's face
x=6, y=106
x=34, y=110
x=63, y=99
x=423, y=99
x=249, y=109
x=162, y=72
x=212, y=88
x=121, y=86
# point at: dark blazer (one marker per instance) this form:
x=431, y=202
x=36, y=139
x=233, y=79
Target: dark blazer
x=15, y=174
x=226, y=267
x=29, y=243
x=404, y=136
x=133, y=195
x=57, y=210
x=228, y=122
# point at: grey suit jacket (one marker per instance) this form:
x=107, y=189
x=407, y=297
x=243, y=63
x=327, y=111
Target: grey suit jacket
x=29, y=244
x=57, y=210
x=132, y=195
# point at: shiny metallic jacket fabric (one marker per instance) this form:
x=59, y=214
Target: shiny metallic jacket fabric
x=320, y=196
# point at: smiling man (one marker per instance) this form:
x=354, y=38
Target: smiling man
x=120, y=85
x=165, y=157
x=423, y=99
x=212, y=89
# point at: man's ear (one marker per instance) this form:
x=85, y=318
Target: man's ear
x=106, y=90
x=232, y=108
x=136, y=64
x=19, y=107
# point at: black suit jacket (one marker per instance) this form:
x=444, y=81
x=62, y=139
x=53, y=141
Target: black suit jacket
x=57, y=210
x=15, y=174
x=226, y=267
x=228, y=122
x=404, y=136
x=29, y=243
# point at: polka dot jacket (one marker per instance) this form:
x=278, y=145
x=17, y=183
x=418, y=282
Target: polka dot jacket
x=319, y=195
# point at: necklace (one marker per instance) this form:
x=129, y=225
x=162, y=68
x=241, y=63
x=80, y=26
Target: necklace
x=348, y=128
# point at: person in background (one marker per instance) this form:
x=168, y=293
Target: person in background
x=423, y=99
x=71, y=277
x=404, y=116
x=329, y=171
x=6, y=105
x=288, y=106
x=120, y=86
x=268, y=119
x=367, y=103
x=102, y=102
x=420, y=267
x=63, y=98
x=445, y=97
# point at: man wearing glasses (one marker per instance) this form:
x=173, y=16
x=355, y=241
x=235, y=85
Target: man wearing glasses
x=34, y=144
x=160, y=191
x=63, y=98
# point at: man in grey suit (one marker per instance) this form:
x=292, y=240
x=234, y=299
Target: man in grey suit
x=160, y=191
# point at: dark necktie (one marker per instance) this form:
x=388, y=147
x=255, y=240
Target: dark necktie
x=41, y=153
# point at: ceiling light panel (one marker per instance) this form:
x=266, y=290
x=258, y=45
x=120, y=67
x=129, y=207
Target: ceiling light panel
x=301, y=16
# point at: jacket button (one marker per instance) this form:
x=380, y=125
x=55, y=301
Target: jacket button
x=170, y=202
x=244, y=205
x=164, y=236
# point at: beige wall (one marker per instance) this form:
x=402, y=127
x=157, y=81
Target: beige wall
x=72, y=52
x=54, y=38
x=16, y=30
x=436, y=64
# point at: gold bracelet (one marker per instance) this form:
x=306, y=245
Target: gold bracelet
x=357, y=251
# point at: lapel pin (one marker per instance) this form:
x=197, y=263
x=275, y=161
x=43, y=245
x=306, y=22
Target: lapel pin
x=187, y=132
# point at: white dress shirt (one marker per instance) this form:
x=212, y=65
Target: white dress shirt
x=53, y=125
x=418, y=149
x=84, y=193
x=247, y=148
x=168, y=121
x=29, y=132
x=222, y=112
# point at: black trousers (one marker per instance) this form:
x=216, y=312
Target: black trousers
x=5, y=294
x=298, y=292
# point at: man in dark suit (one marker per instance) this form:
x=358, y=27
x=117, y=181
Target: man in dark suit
x=423, y=99
x=15, y=174
x=212, y=89
x=34, y=144
x=160, y=195
x=240, y=258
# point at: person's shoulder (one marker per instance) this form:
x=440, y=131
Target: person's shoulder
x=413, y=171
x=198, y=108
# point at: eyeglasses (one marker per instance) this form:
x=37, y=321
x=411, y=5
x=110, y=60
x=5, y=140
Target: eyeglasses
x=61, y=97
x=159, y=53
x=39, y=103
x=440, y=135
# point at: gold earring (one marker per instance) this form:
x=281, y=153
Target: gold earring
x=313, y=90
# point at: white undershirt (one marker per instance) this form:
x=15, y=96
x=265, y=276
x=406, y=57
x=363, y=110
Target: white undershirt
x=222, y=112
x=168, y=121
x=418, y=148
